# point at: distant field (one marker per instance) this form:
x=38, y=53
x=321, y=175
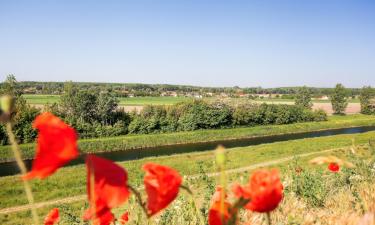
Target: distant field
x=41, y=99
x=152, y=100
x=44, y=99
x=141, y=101
x=291, y=100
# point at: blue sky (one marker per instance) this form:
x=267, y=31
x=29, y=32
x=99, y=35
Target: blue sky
x=198, y=42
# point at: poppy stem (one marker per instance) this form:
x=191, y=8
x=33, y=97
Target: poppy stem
x=190, y=192
x=92, y=191
x=139, y=200
x=268, y=217
x=21, y=165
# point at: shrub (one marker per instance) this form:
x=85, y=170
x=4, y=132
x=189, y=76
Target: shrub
x=311, y=187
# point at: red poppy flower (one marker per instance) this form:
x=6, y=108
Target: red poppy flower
x=56, y=145
x=334, y=167
x=162, y=185
x=109, y=189
x=124, y=218
x=52, y=217
x=217, y=214
x=264, y=191
x=102, y=217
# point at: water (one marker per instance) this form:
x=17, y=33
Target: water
x=10, y=168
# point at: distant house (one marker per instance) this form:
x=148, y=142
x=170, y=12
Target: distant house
x=372, y=104
x=324, y=97
x=169, y=93
x=262, y=95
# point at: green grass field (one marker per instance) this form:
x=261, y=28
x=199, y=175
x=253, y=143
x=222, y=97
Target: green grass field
x=140, y=101
x=152, y=140
x=41, y=99
x=70, y=181
x=44, y=99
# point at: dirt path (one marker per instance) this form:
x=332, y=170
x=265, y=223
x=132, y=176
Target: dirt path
x=191, y=177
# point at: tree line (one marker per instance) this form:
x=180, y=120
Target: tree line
x=135, y=89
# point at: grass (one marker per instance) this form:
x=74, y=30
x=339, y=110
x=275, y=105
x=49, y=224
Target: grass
x=41, y=99
x=71, y=181
x=167, y=100
x=122, y=143
x=136, y=101
x=151, y=101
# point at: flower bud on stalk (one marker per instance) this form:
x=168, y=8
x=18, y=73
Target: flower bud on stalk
x=6, y=107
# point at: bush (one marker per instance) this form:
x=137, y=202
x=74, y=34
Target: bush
x=275, y=114
x=201, y=115
x=311, y=187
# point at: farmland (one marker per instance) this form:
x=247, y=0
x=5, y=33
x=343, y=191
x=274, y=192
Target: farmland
x=166, y=100
x=135, y=101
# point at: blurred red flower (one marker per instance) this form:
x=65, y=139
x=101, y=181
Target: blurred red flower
x=52, y=217
x=217, y=214
x=109, y=189
x=334, y=167
x=102, y=217
x=124, y=218
x=56, y=145
x=162, y=185
x=265, y=191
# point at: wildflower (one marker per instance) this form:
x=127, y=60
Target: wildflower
x=334, y=167
x=52, y=217
x=265, y=191
x=219, y=214
x=162, y=185
x=109, y=189
x=56, y=145
x=124, y=218
x=102, y=217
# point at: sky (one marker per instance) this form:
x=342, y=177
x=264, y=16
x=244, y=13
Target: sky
x=246, y=43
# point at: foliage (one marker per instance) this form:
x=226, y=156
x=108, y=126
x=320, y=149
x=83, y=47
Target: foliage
x=366, y=97
x=339, y=100
x=303, y=98
x=22, y=116
x=311, y=187
x=275, y=114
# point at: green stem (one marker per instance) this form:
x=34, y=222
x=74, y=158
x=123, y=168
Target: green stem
x=92, y=192
x=268, y=216
x=21, y=165
x=190, y=192
x=139, y=200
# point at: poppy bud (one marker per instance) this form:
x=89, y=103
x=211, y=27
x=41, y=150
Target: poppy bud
x=7, y=104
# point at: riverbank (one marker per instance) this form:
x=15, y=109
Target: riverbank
x=128, y=142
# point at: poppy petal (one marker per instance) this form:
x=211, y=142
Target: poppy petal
x=56, y=145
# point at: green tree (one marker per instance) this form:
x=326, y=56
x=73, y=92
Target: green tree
x=106, y=106
x=303, y=98
x=9, y=86
x=67, y=100
x=23, y=114
x=366, y=96
x=338, y=99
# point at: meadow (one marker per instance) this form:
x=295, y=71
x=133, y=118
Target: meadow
x=166, y=100
x=123, y=143
x=316, y=193
x=135, y=101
